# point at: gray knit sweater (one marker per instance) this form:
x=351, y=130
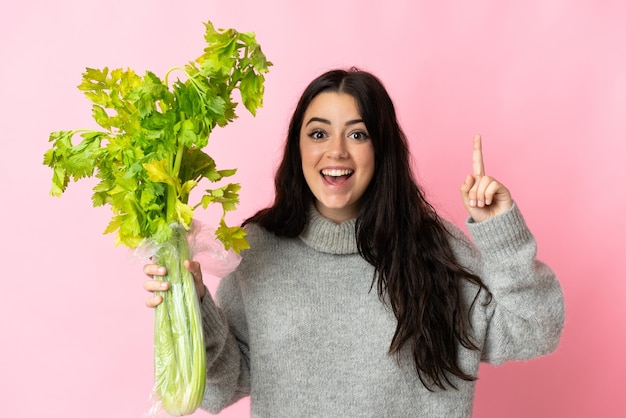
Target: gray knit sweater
x=297, y=328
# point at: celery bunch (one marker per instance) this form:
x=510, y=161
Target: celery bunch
x=148, y=157
x=179, y=353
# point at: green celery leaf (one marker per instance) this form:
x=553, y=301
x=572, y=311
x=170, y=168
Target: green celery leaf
x=158, y=171
x=101, y=117
x=232, y=237
x=187, y=135
x=251, y=89
x=227, y=173
x=184, y=213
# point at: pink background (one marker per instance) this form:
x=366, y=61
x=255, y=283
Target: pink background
x=544, y=81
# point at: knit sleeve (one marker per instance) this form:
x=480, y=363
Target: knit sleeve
x=526, y=314
x=228, y=372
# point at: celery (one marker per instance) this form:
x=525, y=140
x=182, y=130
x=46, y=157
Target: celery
x=178, y=344
x=148, y=158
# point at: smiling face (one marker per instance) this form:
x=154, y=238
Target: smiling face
x=337, y=155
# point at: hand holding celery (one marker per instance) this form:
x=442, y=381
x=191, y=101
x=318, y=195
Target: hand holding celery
x=148, y=158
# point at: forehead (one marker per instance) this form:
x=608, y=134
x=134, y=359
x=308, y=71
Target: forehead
x=335, y=104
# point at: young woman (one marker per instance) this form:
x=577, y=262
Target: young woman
x=356, y=298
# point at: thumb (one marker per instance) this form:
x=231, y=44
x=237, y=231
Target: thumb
x=196, y=273
x=465, y=188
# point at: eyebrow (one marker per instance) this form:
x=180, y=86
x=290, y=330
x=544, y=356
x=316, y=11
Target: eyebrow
x=327, y=122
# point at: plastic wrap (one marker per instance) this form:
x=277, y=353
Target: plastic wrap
x=179, y=352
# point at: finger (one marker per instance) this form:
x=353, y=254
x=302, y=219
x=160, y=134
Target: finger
x=477, y=157
x=465, y=188
x=194, y=269
x=154, y=270
x=484, y=190
x=476, y=194
x=490, y=191
x=155, y=285
x=154, y=301
x=467, y=185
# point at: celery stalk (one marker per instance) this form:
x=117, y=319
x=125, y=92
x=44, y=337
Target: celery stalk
x=179, y=353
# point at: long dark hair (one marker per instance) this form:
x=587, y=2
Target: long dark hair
x=397, y=231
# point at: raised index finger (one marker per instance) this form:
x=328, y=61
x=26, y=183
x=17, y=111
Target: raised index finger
x=477, y=157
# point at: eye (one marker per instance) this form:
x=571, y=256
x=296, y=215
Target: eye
x=359, y=136
x=317, y=134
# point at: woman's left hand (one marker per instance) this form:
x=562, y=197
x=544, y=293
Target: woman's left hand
x=483, y=196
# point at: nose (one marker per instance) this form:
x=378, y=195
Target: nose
x=337, y=148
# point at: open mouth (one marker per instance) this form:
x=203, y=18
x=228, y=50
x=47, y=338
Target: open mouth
x=336, y=176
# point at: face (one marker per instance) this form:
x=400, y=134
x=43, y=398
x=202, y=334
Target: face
x=337, y=155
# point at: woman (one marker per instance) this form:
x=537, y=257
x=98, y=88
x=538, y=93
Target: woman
x=355, y=298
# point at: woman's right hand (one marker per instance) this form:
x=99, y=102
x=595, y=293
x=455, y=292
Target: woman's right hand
x=154, y=285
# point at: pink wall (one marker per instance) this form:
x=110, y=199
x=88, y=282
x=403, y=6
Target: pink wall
x=544, y=81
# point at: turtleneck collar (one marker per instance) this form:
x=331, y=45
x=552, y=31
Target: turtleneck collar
x=325, y=236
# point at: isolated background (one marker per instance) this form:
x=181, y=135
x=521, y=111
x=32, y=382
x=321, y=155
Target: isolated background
x=544, y=82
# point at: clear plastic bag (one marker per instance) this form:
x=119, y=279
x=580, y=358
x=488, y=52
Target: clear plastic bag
x=179, y=352
x=209, y=251
x=204, y=248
